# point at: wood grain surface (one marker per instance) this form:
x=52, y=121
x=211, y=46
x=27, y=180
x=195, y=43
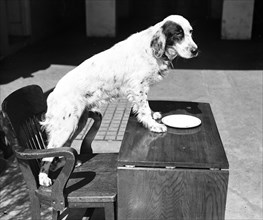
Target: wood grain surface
x=199, y=147
x=163, y=194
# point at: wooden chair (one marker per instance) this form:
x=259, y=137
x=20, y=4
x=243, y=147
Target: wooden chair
x=93, y=184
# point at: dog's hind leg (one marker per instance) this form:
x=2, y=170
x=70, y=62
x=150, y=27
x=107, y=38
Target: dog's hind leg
x=59, y=162
x=44, y=180
x=61, y=134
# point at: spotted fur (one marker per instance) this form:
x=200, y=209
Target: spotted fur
x=127, y=69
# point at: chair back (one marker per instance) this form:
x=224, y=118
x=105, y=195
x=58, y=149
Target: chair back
x=24, y=109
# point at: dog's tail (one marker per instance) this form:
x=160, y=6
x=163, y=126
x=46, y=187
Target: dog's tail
x=45, y=124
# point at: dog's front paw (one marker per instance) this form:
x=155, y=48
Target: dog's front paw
x=44, y=180
x=157, y=115
x=159, y=128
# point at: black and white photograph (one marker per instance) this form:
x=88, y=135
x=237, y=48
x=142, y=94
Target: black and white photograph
x=131, y=109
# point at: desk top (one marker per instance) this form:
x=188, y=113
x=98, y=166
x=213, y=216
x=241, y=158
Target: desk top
x=199, y=147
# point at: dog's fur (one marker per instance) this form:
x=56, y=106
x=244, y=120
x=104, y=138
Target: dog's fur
x=128, y=68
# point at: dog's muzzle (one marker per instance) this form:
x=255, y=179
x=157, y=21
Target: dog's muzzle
x=194, y=51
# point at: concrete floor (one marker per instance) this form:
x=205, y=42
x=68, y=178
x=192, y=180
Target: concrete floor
x=227, y=74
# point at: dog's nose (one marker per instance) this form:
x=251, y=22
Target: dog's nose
x=194, y=51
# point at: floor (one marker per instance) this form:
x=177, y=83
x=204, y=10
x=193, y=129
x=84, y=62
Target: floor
x=227, y=74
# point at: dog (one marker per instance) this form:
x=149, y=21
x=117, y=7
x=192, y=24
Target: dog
x=128, y=68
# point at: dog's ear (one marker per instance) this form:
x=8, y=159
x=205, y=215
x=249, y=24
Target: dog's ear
x=158, y=44
x=169, y=33
x=173, y=32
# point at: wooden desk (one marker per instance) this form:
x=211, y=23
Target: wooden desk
x=182, y=174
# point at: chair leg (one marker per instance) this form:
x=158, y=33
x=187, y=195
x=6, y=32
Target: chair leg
x=35, y=206
x=109, y=211
x=55, y=214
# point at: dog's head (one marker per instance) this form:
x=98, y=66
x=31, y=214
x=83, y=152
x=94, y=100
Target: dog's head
x=174, y=38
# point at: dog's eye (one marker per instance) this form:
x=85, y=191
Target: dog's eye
x=191, y=31
x=179, y=35
x=179, y=32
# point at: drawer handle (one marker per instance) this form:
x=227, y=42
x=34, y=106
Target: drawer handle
x=170, y=167
x=215, y=169
x=129, y=166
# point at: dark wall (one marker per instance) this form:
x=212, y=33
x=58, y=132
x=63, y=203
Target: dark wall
x=51, y=16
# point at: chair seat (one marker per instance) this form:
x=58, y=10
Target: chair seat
x=95, y=181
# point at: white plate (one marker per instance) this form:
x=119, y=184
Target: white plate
x=181, y=121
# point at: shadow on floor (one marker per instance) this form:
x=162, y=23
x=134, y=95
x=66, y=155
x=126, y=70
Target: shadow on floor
x=15, y=203
x=14, y=197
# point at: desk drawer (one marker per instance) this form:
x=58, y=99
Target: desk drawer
x=159, y=193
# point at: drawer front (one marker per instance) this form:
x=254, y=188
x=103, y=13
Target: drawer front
x=149, y=194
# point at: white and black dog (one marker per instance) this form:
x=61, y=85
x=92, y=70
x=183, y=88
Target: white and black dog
x=128, y=69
